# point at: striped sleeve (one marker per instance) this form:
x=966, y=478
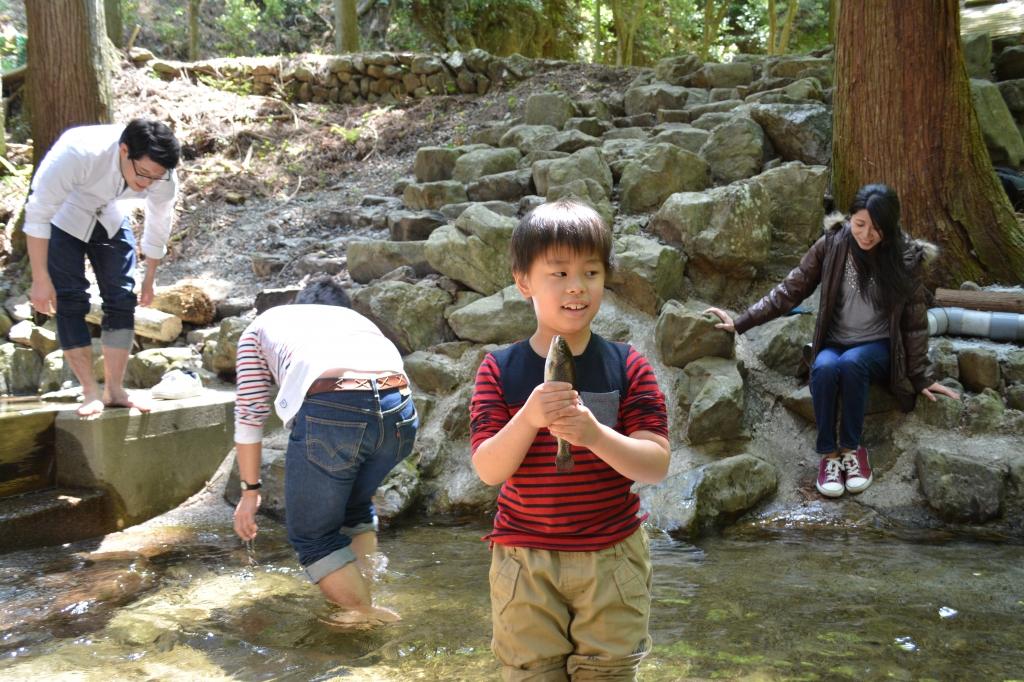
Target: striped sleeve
x=644, y=407
x=488, y=412
x=252, y=391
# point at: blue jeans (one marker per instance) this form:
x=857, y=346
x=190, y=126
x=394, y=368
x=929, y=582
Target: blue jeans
x=113, y=262
x=341, y=447
x=844, y=374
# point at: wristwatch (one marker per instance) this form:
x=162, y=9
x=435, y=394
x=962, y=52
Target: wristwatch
x=250, y=486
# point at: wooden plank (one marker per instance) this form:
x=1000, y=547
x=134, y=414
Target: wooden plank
x=992, y=301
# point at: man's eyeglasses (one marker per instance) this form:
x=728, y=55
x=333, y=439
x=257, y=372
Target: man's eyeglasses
x=144, y=176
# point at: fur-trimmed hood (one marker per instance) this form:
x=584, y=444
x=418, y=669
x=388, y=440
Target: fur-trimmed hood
x=919, y=252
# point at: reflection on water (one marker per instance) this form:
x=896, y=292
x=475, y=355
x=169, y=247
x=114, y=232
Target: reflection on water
x=186, y=603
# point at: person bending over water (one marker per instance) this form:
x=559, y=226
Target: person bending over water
x=872, y=325
x=345, y=396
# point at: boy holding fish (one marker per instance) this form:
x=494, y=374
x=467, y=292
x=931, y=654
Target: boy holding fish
x=570, y=568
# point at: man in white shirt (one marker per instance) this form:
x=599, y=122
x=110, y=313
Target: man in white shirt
x=76, y=210
x=344, y=395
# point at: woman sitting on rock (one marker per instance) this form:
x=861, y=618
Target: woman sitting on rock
x=872, y=325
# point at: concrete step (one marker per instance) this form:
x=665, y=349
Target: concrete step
x=54, y=516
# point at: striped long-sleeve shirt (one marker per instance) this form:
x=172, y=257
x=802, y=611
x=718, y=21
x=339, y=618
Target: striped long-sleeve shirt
x=292, y=345
x=591, y=507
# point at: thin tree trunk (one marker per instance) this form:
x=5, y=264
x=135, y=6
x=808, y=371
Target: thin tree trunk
x=115, y=22
x=3, y=130
x=712, y=23
x=903, y=115
x=787, y=27
x=598, y=38
x=833, y=18
x=773, y=27
x=193, y=29
x=68, y=75
x=346, y=26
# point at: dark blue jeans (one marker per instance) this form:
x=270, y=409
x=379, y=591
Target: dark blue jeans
x=844, y=374
x=113, y=262
x=341, y=447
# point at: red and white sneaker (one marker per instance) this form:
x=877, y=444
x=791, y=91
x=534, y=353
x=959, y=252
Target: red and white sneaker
x=830, y=477
x=857, y=468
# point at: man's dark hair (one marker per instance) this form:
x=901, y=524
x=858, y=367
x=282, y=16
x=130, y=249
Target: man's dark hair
x=563, y=224
x=324, y=290
x=152, y=139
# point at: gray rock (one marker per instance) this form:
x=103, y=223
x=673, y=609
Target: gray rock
x=595, y=127
x=796, y=192
x=1015, y=397
x=714, y=390
x=657, y=172
x=725, y=228
x=626, y=133
x=474, y=251
x=549, y=108
x=317, y=263
x=647, y=273
x=485, y=161
x=695, y=502
x=944, y=362
x=797, y=92
x=735, y=150
x=595, y=108
x=943, y=413
x=433, y=195
x=719, y=106
x=960, y=489
x=5, y=323
x=453, y=211
x=674, y=70
x=270, y=298
x=508, y=186
x=711, y=120
x=528, y=160
x=56, y=374
x=411, y=315
x=984, y=412
x=977, y=49
x=524, y=137
x=880, y=401
x=1013, y=367
x=433, y=372
x=978, y=368
x=408, y=226
x=266, y=264
x=433, y=164
x=21, y=369
x=689, y=138
x=586, y=163
x=683, y=333
x=800, y=66
x=798, y=132
x=1002, y=137
x=503, y=317
x=225, y=350
x=647, y=99
x=779, y=343
x=146, y=368
x=565, y=141
x=1010, y=63
x=1013, y=95
x=41, y=340
x=715, y=75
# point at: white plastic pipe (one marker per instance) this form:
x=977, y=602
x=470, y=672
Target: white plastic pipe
x=965, y=322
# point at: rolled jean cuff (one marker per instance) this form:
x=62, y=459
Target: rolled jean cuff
x=117, y=338
x=336, y=560
x=359, y=529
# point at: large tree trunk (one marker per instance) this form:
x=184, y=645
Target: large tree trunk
x=115, y=21
x=903, y=116
x=3, y=130
x=194, y=6
x=346, y=26
x=68, y=75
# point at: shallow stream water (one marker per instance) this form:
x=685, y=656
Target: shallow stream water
x=177, y=598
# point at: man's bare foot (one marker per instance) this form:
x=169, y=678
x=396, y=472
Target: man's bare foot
x=123, y=399
x=92, y=405
x=351, y=619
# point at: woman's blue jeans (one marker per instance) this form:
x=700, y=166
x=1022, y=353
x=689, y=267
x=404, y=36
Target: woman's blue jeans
x=113, y=262
x=844, y=374
x=342, y=445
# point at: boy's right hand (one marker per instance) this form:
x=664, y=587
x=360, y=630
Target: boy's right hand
x=548, y=402
x=43, y=296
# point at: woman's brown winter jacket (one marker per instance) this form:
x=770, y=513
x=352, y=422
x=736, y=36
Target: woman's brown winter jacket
x=908, y=323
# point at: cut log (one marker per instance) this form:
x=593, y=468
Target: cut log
x=149, y=322
x=186, y=301
x=994, y=301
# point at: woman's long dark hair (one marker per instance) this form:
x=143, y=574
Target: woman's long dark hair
x=884, y=263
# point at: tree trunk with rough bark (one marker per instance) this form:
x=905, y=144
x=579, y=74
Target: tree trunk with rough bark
x=903, y=115
x=346, y=26
x=193, y=29
x=68, y=73
x=115, y=21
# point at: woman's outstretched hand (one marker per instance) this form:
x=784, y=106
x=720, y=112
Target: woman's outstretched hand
x=726, y=320
x=941, y=389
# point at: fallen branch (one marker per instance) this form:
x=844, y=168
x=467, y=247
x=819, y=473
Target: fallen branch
x=993, y=301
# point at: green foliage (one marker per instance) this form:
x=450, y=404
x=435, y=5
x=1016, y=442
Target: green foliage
x=12, y=48
x=350, y=135
x=237, y=25
x=238, y=87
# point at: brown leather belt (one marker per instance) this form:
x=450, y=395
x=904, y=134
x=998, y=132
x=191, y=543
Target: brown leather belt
x=328, y=384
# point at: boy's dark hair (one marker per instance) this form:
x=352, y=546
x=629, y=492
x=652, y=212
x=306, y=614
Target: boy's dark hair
x=152, y=139
x=563, y=224
x=324, y=290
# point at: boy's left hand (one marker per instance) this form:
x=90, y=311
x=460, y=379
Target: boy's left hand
x=580, y=428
